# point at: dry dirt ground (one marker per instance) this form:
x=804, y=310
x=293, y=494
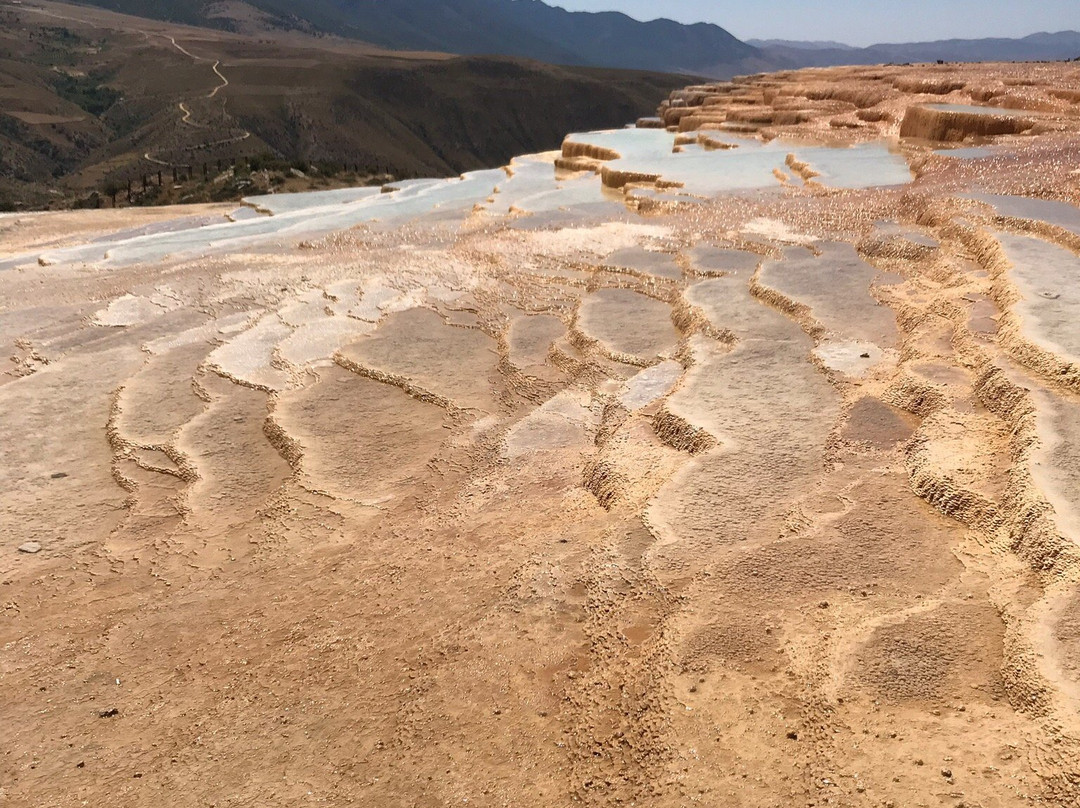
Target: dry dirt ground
x=765, y=500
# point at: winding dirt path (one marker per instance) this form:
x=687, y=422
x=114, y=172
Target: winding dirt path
x=214, y=67
x=220, y=75
x=186, y=112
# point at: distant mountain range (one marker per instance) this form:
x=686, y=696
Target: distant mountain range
x=765, y=44
x=533, y=29
x=1034, y=48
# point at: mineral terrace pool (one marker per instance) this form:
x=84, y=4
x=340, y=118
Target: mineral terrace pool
x=750, y=164
x=972, y=109
x=529, y=185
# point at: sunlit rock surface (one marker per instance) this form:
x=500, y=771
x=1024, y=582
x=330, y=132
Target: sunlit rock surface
x=733, y=460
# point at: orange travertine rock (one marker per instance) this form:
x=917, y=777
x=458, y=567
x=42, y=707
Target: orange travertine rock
x=732, y=459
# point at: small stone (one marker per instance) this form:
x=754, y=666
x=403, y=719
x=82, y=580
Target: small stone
x=30, y=547
x=864, y=355
x=112, y=712
x=58, y=475
x=793, y=735
x=946, y=773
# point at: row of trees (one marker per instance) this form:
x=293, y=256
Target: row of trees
x=149, y=186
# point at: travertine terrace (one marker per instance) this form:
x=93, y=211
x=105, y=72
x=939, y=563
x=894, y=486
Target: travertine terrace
x=731, y=460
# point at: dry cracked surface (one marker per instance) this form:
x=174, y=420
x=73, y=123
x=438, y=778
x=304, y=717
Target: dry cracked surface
x=636, y=498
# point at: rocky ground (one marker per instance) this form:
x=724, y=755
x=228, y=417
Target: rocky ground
x=640, y=496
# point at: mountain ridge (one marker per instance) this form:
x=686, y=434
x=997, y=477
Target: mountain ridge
x=533, y=29
x=765, y=44
x=1040, y=46
x=528, y=29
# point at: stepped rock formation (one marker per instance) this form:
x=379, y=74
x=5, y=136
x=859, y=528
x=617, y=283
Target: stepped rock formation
x=730, y=460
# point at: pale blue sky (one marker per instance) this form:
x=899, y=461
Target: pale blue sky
x=856, y=22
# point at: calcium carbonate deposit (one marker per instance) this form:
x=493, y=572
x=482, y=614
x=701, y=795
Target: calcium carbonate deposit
x=733, y=460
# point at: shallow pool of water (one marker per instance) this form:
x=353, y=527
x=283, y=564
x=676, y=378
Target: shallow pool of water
x=1061, y=214
x=1048, y=278
x=864, y=166
x=286, y=203
x=970, y=153
x=752, y=164
x=628, y=323
x=835, y=284
x=971, y=109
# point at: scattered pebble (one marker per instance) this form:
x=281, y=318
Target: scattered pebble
x=30, y=547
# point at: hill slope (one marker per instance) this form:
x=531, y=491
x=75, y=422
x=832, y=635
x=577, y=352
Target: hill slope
x=534, y=29
x=525, y=28
x=92, y=97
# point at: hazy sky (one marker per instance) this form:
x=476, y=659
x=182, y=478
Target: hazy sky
x=856, y=22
